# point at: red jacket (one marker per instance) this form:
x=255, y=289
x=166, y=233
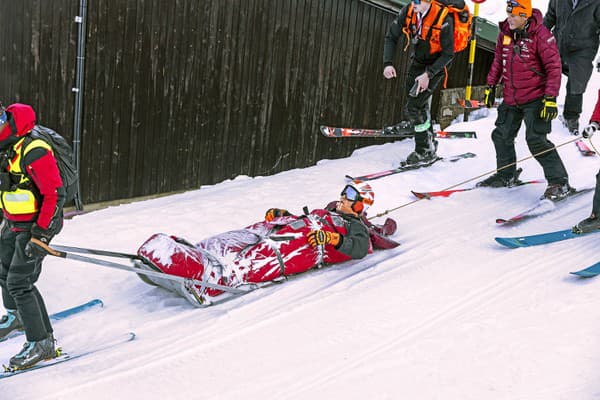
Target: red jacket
x=40, y=166
x=596, y=114
x=529, y=65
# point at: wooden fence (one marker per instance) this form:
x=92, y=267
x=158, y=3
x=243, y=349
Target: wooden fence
x=183, y=93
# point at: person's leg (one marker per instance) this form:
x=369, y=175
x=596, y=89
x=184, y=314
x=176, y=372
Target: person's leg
x=540, y=147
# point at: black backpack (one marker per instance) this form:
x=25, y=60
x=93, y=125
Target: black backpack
x=63, y=155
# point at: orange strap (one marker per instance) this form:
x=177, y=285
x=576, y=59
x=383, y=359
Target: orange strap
x=445, y=77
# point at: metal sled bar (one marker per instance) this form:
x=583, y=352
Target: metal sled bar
x=64, y=254
x=83, y=250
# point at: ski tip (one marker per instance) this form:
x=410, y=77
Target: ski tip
x=584, y=274
x=420, y=195
x=508, y=242
x=501, y=221
x=96, y=302
x=349, y=177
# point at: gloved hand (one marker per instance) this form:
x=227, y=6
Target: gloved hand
x=550, y=110
x=34, y=250
x=490, y=96
x=598, y=65
x=589, y=130
x=273, y=213
x=319, y=237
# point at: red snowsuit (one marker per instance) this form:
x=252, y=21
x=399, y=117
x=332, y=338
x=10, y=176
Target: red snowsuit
x=258, y=253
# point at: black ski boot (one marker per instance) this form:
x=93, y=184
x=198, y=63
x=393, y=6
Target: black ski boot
x=499, y=180
x=557, y=191
x=34, y=352
x=572, y=125
x=9, y=323
x=589, y=224
x=424, y=156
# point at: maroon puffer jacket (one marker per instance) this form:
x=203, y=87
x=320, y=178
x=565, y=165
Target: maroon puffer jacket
x=529, y=66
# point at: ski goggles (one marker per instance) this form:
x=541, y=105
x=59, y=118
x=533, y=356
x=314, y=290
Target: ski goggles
x=511, y=4
x=351, y=193
x=3, y=117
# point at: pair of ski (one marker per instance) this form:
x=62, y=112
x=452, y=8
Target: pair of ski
x=62, y=356
x=551, y=237
x=409, y=167
x=335, y=132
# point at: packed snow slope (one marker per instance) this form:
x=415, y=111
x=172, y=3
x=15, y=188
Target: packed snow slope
x=449, y=314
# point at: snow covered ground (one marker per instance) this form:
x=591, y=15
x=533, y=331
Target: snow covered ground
x=450, y=314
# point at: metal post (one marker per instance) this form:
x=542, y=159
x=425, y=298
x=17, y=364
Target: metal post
x=78, y=90
x=472, y=49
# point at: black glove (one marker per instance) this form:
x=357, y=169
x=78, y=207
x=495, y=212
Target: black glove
x=598, y=65
x=490, y=96
x=550, y=110
x=34, y=250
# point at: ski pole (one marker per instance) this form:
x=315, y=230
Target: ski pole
x=478, y=176
x=187, y=281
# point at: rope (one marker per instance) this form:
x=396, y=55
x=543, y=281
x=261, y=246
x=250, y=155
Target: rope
x=482, y=175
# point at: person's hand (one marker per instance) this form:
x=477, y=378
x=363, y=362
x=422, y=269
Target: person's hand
x=319, y=237
x=489, y=96
x=389, y=72
x=589, y=130
x=422, y=82
x=550, y=110
x=598, y=65
x=273, y=213
x=33, y=249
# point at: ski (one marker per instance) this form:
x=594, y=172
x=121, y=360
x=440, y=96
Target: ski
x=409, y=167
x=584, y=149
x=539, y=239
x=588, y=272
x=63, y=357
x=447, y=193
x=472, y=104
x=62, y=315
x=333, y=132
x=542, y=207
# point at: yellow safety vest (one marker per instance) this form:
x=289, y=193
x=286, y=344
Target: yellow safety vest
x=21, y=201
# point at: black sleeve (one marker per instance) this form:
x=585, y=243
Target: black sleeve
x=355, y=243
x=394, y=34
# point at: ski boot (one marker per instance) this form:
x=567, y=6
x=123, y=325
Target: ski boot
x=589, y=224
x=9, y=323
x=33, y=352
x=498, y=180
x=557, y=191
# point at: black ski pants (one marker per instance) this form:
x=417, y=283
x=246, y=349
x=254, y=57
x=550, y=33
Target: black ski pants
x=578, y=67
x=18, y=274
x=508, y=124
x=417, y=109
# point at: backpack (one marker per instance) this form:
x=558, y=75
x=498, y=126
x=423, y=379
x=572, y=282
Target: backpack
x=462, y=24
x=62, y=153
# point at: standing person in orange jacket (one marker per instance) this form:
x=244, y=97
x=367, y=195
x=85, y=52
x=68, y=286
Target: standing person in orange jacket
x=431, y=51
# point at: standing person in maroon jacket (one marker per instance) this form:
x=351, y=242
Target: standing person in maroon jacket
x=593, y=221
x=32, y=196
x=528, y=63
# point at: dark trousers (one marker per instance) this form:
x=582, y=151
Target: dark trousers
x=578, y=67
x=508, y=124
x=596, y=203
x=417, y=108
x=18, y=274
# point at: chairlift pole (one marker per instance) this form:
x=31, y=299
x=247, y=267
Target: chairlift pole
x=472, y=48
